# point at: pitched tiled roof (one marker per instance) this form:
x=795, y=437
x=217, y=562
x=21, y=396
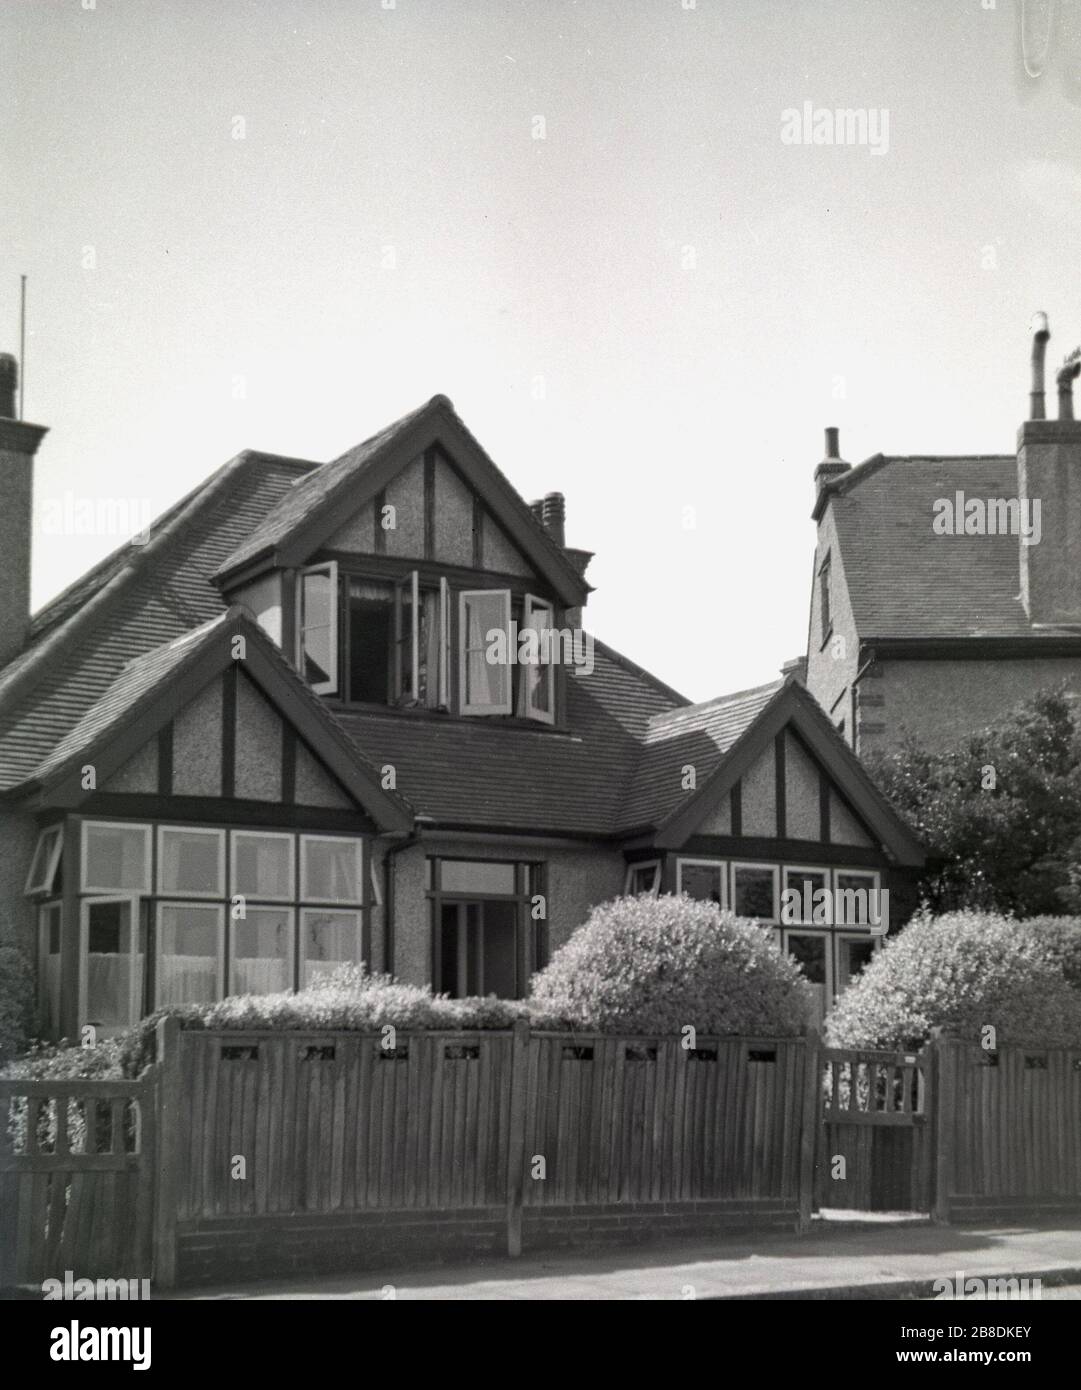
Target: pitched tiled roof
x=136, y=600
x=471, y=773
x=903, y=580
x=698, y=735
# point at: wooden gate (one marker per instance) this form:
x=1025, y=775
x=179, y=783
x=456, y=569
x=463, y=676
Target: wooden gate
x=76, y=1180
x=873, y=1148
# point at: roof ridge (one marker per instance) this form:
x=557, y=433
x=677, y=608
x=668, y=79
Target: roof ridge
x=28, y=663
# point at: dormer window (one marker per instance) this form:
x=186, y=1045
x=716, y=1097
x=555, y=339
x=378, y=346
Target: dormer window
x=390, y=641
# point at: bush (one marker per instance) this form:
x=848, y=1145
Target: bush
x=656, y=965
x=962, y=971
x=17, y=994
x=1060, y=940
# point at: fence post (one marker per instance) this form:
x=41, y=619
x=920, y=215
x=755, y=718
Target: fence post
x=519, y=1072
x=810, y=1110
x=945, y=1100
x=168, y=1136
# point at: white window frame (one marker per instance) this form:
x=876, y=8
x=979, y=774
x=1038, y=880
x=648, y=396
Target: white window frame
x=234, y=890
x=358, y=846
x=721, y=864
x=505, y=706
x=638, y=867
x=44, y=911
x=203, y=906
x=163, y=830
x=230, y=933
x=99, y=890
x=534, y=675
x=827, y=877
x=826, y=935
x=134, y=982
x=775, y=869
x=329, y=568
x=301, y=958
x=855, y=928
x=840, y=940
x=46, y=884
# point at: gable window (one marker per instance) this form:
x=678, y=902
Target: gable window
x=702, y=879
x=643, y=879
x=116, y=857
x=485, y=684
x=46, y=860
x=825, y=597
x=317, y=626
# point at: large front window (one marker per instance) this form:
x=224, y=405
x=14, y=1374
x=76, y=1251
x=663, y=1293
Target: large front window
x=488, y=925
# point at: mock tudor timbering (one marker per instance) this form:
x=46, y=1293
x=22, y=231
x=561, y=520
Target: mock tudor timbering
x=234, y=786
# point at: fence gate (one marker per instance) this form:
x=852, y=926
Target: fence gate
x=76, y=1180
x=874, y=1139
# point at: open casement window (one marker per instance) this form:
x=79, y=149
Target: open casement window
x=46, y=859
x=536, y=693
x=485, y=683
x=112, y=955
x=317, y=626
x=643, y=878
x=398, y=643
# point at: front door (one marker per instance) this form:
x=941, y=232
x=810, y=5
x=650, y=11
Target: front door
x=479, y=948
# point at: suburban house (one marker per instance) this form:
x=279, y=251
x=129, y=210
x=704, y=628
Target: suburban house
x=339, y=712
x=946, y=590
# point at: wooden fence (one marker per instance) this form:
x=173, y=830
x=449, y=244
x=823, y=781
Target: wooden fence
x=1009, y=1130
x=76, y=1179
x=296, y=1125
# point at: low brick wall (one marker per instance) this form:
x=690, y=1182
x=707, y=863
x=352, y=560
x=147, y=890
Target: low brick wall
x=225, y=1248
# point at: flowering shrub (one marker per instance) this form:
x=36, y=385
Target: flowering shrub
x=657, y=965
x=962, y=971
x=1060, y=941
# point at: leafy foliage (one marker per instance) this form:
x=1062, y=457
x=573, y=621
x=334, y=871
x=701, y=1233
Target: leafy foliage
x=962, y=971
x=657, y=965
x=1000, y=813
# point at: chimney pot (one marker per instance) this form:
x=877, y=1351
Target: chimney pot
x=1069, y=370
x=1041, y=332
x=833, y=442
x=555, y=513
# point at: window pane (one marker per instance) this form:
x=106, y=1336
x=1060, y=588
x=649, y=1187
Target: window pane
x=701, y=881
x=263, y=865
x=486, y=683
x=327, y=940
x=109, y=964
x=371, y=632
x=49, y=981
x=810, y=953
x=468, y=876
x=188, y=953
x=39, y=878
x=643, y=878
x=316, y=598
x=317, y=655
x=192, y=861
x=808, y=884
x=332, y=870
x=753, y=892
x=852, y=900
x=117, y=858
x=261, y=957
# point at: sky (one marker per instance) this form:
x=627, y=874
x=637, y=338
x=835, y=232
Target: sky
x=280, y=225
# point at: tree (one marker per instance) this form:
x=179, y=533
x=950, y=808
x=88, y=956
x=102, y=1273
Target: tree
x=1000, y=813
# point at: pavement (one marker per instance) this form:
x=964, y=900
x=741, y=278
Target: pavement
x=841, y=1257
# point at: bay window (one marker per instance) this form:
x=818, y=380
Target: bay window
x=190, y=941
x=327, y=939
x=331, y=869
x=754, y=891
x=702, y=879
x=261, y=951
x=191, y=861
x=112, y=957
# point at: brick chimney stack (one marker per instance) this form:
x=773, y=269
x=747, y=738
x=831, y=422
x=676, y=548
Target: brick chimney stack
x=18, y=445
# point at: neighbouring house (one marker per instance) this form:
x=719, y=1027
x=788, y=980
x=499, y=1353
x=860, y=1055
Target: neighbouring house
x=947, y=590
x=284, y=731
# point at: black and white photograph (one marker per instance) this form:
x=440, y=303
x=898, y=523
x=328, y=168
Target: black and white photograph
x=540, y=674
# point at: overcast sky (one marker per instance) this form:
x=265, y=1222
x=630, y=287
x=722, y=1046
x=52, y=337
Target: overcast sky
x=656, y=307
